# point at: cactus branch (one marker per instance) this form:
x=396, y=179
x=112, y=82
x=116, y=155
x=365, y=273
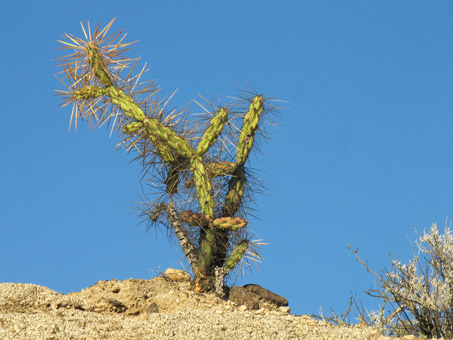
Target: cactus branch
x=213, y=131
x=194, y=219
x=95, y=60
x=236, y=189
x=229, y=223
x=186, y=245
x=236, y=255
x=249, y=129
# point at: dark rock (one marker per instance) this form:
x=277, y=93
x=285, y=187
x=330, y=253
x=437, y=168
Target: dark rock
x=250, y=295
x=153, y=308
x=267, y=295
x=240, y=296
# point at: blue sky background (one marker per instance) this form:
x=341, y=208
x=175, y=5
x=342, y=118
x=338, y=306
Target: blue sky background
x=364, y=154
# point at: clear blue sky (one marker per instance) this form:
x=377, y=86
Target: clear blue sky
x=364, y=154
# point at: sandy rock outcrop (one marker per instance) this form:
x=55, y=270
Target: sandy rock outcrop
x=152, y=309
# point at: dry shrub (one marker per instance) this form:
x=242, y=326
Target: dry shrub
x=417, y=297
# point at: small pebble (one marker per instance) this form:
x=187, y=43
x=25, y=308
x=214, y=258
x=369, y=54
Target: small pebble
x=260, y=311
x=284, y=309
x=242, y=308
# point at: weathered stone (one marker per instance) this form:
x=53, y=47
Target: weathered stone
x=153, y=308
x=267, y=295
x=240, y=296
x=284, y=309
x=177, y=275
x=242, y=308
x=251, y=295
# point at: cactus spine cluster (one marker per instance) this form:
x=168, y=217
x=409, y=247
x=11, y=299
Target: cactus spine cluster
x=195, y=164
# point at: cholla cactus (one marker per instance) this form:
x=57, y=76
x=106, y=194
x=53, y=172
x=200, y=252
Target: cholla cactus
x=200, y=165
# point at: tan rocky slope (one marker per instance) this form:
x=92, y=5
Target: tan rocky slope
x=154, y=309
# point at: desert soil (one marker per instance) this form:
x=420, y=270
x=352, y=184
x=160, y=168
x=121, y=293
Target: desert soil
x=152, y=309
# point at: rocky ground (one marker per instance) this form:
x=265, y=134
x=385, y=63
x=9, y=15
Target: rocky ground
x=159, y=308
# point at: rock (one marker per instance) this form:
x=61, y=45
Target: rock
x=153, y=308
x=284, y=309
x=267, y=295
x=177, y=275
x=251, y=295
x=242, y=308
x=260, y=311
x=241, y=297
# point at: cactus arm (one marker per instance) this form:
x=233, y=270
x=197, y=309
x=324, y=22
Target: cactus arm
x=249, y=129
x=97, y=64
x=236, y=189
x=126, y=103
x=236, y=255
x=194, y=219
x=236, y=186
x=203, y=186
x=213, y=131
x=220, y=169
x=229, y=223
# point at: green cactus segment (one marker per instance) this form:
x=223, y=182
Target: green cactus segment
x=215, y=170
x=203, y=186
x=88, y=92
x=126, y=103
x=132, y=127
x=207, y=249
x=236, y=189
x=236, y=255
x=230, y=223
x=163, y=150
x=220, y=169
x=249, y=129
x=213, y=131
x=98, y=65
x=167, y=136
x=194, y=219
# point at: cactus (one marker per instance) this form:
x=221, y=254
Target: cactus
x=203, y=183
x=236, y=255
x=213, y=131
x=230, y=223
